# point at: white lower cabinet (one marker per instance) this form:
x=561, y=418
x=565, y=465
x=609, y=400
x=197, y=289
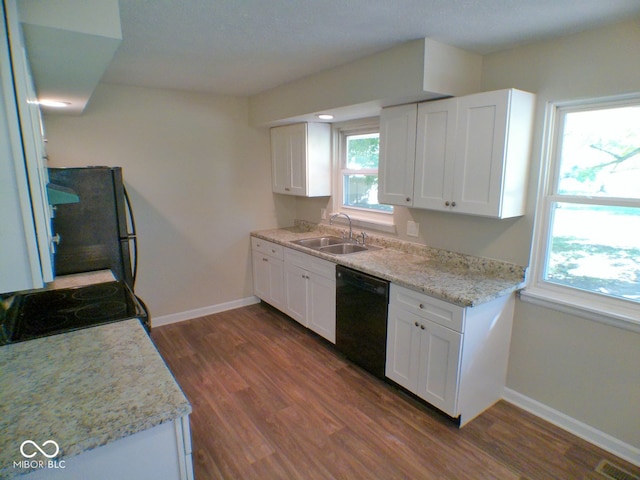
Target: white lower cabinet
x=424, y=358
x=268, y=272
x=454, y=358
x=310, y=292
x=300, y=285
x=162, y=452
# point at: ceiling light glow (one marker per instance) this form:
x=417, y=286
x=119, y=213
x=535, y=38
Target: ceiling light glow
x=325, y=116
x=54, y=103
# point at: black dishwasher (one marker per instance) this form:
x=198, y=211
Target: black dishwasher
x=361, y=318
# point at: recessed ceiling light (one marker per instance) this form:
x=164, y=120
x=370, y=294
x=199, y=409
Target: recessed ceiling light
x=324, y=116
x=53, y=103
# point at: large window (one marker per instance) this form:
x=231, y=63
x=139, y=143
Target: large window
x=587, y=248
x=358, y=152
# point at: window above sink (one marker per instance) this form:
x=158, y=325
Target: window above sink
x=355, y=186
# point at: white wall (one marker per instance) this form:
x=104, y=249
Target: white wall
x=199, y=180
x=584, y=369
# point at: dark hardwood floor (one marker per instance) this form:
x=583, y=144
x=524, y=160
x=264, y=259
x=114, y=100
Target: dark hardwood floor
x=272, y=400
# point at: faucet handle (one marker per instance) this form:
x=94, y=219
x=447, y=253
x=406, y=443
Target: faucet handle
x=364, y=238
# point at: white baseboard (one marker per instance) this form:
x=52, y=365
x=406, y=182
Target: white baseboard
x=201, y=312
x=586, y=432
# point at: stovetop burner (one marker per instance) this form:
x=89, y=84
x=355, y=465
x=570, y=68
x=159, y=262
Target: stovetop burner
x=51, y=312
x=96, y=292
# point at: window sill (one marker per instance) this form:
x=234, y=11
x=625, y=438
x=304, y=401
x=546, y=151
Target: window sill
x=625, y=318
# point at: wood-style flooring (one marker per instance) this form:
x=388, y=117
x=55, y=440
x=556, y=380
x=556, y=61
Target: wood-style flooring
x=272, y=400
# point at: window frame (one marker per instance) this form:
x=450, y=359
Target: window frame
x=606, y=309
x=362, y=217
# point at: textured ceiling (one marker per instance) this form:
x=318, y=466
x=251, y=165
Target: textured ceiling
x=243, y=47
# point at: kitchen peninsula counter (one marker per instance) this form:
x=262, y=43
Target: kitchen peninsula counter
x=83, y=389
x=463, y=280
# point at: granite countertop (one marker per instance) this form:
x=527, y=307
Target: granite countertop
x=459, y=279
x=83, y=389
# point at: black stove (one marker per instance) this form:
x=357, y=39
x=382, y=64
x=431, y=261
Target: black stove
x=50, y=312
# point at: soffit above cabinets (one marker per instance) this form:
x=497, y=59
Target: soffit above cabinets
x=418, y=70
x=69, y=45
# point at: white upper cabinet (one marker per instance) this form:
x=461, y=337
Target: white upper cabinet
x=493, y=144
x=435, y=153
x=25, y=238
x=301, y=159
x=397, y=155
x=471, y=154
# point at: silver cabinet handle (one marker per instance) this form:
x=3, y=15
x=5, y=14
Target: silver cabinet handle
x=416, y=324
x=421, y=306
x=421, y=327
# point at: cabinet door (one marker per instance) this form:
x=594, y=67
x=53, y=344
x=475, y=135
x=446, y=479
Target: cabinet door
x=279, y=160
x=439, y=366
x=260, y=276
x=298, y=159
x=295, y=293
x=480, y=154
x=403, y=348
x=276, y=282
x=397, y=155
x=268, y=279
x=435, y=154
x=321, y=306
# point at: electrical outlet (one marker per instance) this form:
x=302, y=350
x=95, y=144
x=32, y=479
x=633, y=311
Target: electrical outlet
x=412, y=228
x=323, y=213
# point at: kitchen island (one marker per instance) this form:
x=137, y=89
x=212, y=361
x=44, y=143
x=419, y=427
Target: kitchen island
x=103, y=397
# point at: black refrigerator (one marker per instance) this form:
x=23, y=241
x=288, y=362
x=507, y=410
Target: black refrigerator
x=97, y=232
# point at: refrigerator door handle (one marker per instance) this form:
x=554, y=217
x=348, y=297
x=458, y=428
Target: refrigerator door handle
x=132, y=236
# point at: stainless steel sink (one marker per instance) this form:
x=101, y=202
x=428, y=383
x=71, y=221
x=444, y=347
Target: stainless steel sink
x=333, y=245
x=344, y=248
x=319, y=242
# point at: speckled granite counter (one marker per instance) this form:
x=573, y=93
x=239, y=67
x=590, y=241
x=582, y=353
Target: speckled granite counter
x=83, y=389
x=460, y=279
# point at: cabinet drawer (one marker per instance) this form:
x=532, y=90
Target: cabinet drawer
x=322, y=267
x=266, y=247
x=438, y=311
x=313, y=264
x=295, y=258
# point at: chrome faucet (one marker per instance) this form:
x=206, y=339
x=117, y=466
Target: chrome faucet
x=348, y=218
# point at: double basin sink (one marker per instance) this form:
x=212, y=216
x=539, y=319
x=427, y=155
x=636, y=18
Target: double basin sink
x=334, y=245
